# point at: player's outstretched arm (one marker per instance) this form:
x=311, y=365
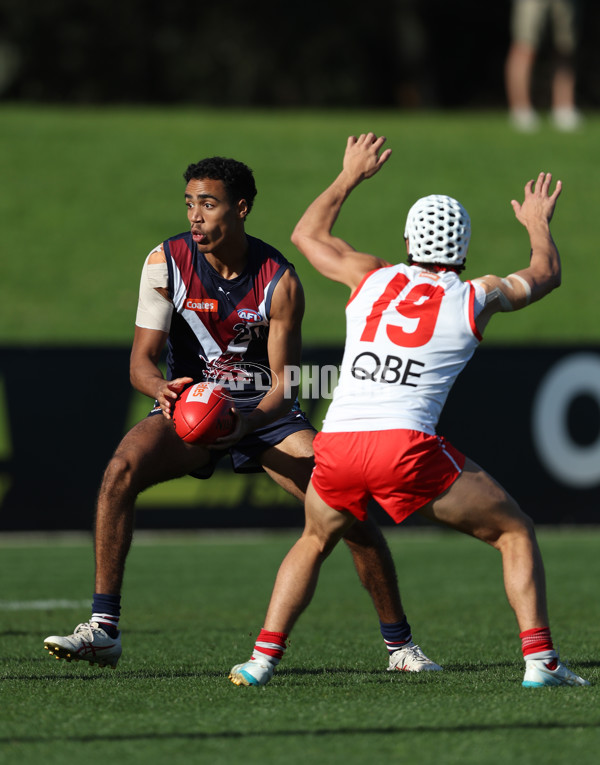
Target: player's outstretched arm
x=331, y=256
x=535, y=213
x=544, y=271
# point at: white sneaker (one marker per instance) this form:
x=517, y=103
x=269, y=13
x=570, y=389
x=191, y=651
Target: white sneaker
x=524, y=120
x=89, y=642
x=253, y=672
x=410, y=658
x=567, y=119
x=542, y=672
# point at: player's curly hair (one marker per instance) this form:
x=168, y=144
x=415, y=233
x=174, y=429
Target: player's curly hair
x=236, y=177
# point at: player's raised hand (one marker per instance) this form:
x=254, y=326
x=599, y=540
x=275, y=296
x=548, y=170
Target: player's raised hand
x=538, y=204
x=363, y=158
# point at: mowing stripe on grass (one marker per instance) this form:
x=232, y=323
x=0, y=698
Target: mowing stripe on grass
x=40, y=605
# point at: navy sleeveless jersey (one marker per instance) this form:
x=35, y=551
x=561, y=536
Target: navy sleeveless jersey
x=220, y=326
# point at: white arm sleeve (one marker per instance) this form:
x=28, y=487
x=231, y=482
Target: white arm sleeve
x=154, y=311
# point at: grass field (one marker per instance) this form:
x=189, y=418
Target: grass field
x=87, y=193
x=191, y=608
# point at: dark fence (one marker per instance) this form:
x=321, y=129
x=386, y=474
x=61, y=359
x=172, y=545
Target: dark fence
x=405, y=53
x=528, y=415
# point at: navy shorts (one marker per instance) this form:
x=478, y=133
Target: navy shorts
x=245, y=455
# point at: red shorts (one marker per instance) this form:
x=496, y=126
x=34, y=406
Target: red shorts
x=402, y=470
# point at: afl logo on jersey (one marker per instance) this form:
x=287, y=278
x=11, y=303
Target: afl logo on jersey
x=247, y=314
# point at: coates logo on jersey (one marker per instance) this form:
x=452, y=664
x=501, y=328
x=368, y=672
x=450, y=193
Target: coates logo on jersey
x=247, y=314
x=202, y=305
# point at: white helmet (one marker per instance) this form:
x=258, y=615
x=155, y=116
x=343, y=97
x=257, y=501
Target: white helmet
x=438, y=229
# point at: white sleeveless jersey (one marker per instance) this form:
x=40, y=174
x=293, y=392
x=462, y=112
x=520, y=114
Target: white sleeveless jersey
x=409, y=334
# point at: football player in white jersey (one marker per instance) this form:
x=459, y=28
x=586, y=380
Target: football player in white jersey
x=410, y=331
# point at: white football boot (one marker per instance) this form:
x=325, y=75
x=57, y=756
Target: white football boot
x=410, y=658
x=89, y=642
x=253, y=672
x=548, y=672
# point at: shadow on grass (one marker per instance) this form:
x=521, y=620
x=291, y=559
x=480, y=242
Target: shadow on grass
x=232, y=734
x=447, y=669
x=81, y=672
x=93, y=673
x=16, y=633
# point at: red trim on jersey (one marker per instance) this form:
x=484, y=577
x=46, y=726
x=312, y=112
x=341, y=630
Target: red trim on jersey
x=362, y=281
x=472, y=322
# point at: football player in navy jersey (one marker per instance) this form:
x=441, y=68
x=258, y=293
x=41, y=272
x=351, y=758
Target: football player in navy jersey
x=221, y=301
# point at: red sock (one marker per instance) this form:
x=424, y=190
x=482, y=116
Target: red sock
x=271, y=645
x=536, y=640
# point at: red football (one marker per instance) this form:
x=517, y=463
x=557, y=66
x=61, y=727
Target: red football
x=202, y=414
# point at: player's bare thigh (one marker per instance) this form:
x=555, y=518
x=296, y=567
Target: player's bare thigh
x=153, y=452
x=476, y=504
x=291, y=461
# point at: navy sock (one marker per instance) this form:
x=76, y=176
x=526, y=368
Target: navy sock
x=106, y=610
x=396, y=634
